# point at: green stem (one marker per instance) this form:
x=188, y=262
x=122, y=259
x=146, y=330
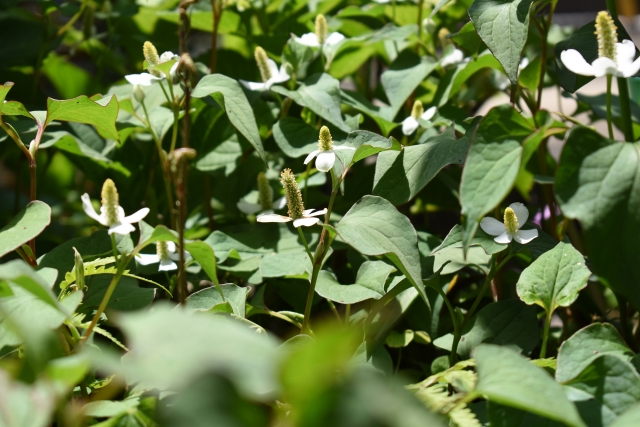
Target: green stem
x=624, y=325
x=492, y=272
x=609, y=118
x=306, y=183
x=347, y=314
x=334, y=309
x=545, y=335
x=306, y=245
x=457, y=330
x=625, y=109
x=175, y=107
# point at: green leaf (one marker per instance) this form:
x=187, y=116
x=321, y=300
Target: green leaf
x=126, y=296
x=492, y=165
x=27, y=225
x=404, y=75
x=585, y=346
x=102, y=114
x=482, y=239
x=370, y=282
x=508, y=323
x=401, y=339
x=631, y=418
x=206, y=299
x=554, y=279
x=504, y=416
x=204, y=255
x=365, y=144
x=4, y=90
x=373, y=226
x=229, y=95
x=503, y=25
x=321, y=94
x=507, y=378
x=453, y=259
x=597, y=182
x=467, y=38
x=294, y=137
x=606, y=388
x=401, y=175
x=21, y=274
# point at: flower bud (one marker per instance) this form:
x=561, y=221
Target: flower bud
x=292, y=193
x=265, y=192
x=607, y=34
x=138, y=93
x=418, y=110
x=33, y=148
x=511, y=221
x=325, y=142
x=428, y=25
x=442, y=36
x=263, y=65
x=79, y=269
x=321, y=29
x=110, y=202
x=162, y=250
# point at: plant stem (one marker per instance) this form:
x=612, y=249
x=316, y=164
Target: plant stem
x=334, y=309
x=457, y=330
x=306, y=182
x=347, y=314
x=545, y=335
x=216, y=6
x=624, y=325
x=306, y=246
x=625, y=109
x=420, y=5
x=492, y=272
x=609, y=117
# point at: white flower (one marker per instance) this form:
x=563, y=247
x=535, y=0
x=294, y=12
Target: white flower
x=277, y=76
x=308, y=219
x=623, y=66
x=454, y=58
x=253, y=208
x=121, y=225
x=514, y=217
x=165, y=254
x=326, y=157
x=410, y=124
x=330, y=46
x=143, y=79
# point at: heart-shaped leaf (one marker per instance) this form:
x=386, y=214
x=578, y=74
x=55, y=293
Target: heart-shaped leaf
x=27, y=225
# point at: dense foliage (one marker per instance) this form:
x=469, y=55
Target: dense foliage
x=296, y=216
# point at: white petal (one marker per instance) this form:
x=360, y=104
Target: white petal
x=89, y=210
x=522, y=213
x=280, y=203
x=272, y=66
x=504, y=238
x=334, y=39
x=137, y=217
x=625, y=53
x=575, y=62
x=248, y=208
x=525, y=236
x=631, y=69
x=171, y=247
x=428, y=115
x=523, y=64
x=168, y=56
x=342, y=147
x=409, y=125
x=147, y=259
x=172, y=71
x=311, y=156
x=307, y=222
x=454, y=58
x=308, y=39
x=325, y=161
x=306, y=212
x=492, y=226
x=121, y=228
x=254, y=85
x=282, y=76
x=167, y=265
x=604, y=66
x=317, y=213
x=272, y=218
x=144, y=79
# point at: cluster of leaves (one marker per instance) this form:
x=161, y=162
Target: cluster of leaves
x=399, y=306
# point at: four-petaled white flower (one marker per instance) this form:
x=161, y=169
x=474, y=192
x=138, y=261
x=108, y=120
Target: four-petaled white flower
x=514, y=217
x=311, y=40
x=623, y=66
x=166, y=254
x=308, y=219
x=277, y=76
x=111, y=214
x=411, y=123
x=326, y=157
x=142, y=79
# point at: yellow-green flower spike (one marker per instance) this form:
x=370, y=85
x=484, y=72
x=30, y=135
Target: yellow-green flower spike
x=265, y=192
x=150, y=53
x=162, y=250
x=417, y=111
x=321, y=29
x=607, y=34
x=511, y=221
x=292, y=193
x=325, y=142
x=261, y=60
x=110, y=201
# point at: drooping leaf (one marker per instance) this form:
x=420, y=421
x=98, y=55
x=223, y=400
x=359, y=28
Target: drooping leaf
x=208, y=298
x=586, y=345
x=554, y=279
x=370, y=282
x=503, y=25
x=482, y=239
x=27, y=225
x=509, y=379
x=373, y=226
x=229, y=95
x=102, y=114
x=597, y=182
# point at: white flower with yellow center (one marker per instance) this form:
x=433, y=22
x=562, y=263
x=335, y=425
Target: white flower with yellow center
x=111, y=214
x=268, y=71
x=320, y=38
x=614, y=59
x=326, y=157
x=166, y=254
x=151, y=55
x=411, y=123
x=514, y=217
x=297, y=213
